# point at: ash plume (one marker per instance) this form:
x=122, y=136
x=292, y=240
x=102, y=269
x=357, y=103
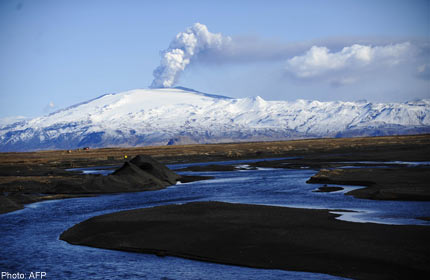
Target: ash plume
x=182, y=50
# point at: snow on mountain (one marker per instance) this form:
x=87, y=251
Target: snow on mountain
x=11, y=120
x=180, y=115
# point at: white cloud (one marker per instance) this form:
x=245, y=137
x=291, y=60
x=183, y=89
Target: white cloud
x=338, y=67
x=319, y=61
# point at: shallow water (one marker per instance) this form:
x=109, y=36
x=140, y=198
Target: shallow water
x=287, y=187
x=29, y=237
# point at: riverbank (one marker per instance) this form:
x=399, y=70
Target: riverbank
x=16, y=201
x=142, y=173
x=35, y=176
x=263, y=237
x=396, y=183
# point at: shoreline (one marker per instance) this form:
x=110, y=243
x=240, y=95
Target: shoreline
x=9, y=205
x=396, y=183
x=17, y=201
x=142, y=173
x=262, y=237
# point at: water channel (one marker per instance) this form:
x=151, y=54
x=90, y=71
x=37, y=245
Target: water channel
x=29, y=237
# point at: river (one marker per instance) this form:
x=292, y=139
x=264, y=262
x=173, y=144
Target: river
x=29, y=237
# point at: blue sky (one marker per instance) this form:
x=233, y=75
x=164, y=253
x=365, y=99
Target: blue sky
x=56, y=53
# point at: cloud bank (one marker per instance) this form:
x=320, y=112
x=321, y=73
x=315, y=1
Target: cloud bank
x=182, y=50
x=319, y=60
x=370, y=65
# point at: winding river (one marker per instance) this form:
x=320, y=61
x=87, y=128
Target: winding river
x=29, y=237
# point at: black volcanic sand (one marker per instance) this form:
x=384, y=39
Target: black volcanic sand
x=382, y=181
x=142, y=173
x=328, y=189
x=411, y=183
x=263, y=237
x=8, y=205
x=35, y=176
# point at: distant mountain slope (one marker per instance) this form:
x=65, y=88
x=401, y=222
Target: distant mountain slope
x=179, y=115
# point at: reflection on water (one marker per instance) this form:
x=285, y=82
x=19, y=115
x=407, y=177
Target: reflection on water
x=29, y=237
x=103, y=170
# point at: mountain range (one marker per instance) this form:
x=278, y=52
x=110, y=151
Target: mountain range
x=170, y=116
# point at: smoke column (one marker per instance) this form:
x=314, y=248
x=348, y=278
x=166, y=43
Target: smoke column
x=186, y=46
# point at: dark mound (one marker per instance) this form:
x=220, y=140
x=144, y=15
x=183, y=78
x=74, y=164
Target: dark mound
x=263, y=237
x=142, y=173
x=155, y=168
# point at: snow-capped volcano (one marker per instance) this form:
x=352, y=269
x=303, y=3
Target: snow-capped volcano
x=179, y=115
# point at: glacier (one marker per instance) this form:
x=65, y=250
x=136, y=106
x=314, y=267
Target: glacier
x=167, y=116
